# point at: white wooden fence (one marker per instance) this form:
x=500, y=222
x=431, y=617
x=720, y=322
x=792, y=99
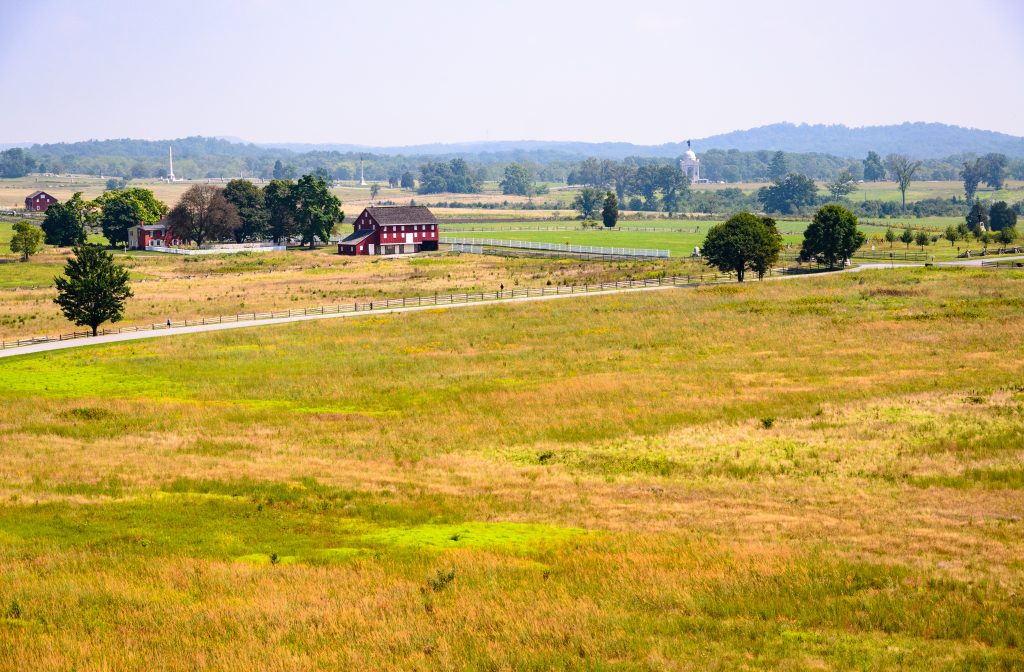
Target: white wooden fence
x=556, y=247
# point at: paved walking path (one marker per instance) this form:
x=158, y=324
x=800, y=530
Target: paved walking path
x=177, y=331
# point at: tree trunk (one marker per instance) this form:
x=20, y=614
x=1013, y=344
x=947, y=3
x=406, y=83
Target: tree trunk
x=93, y=328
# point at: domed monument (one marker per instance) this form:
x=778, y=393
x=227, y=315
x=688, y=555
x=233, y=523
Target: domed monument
x=690, y=165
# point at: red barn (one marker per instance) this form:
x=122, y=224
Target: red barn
x=395, y=229
x=142, y=236
x=39, y=201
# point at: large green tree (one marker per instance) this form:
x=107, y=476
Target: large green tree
x=842, y=186
x=788, y=195
x=317, y=210
x=65, y=222
x=280, y=205
x=903, y=169
x=1001, y=216
x=93, y=288
x=27, y=239
x=778, y=169
x=252, y=211
x=971, y=175
x=588, y=202
x=992, y=168
x=121, y=210
x=832, y=236
x=977, y=218
x=203, y=214
x=874, y=171
x=517, y=180
x=610, y=209
x=743, y=242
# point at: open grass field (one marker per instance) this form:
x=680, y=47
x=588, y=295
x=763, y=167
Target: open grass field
x=682, y=243
x=823, y=473
x=179, y=288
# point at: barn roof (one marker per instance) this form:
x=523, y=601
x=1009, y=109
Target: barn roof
x=38, y=193
x=356, y=236
x=386, y=215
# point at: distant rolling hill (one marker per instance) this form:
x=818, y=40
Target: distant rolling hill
x=921, y=140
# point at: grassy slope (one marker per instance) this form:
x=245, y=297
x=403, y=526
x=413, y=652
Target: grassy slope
x=799, y=474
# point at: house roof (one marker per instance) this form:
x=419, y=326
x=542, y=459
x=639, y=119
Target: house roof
x=386, y=215
x=39, y=193
x=356, y=236
x=150, y=227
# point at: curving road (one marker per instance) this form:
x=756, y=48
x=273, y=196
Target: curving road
x=177, y=331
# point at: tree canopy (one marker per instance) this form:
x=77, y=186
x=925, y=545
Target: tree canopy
x=27, y=239
x=203, y=214
x=610, y=209
x=93, y=288
x=252, y=212
x=277, y=196
x=743, y=242
x=121, y=210
x=1001, y=216
x=842, y=186
x=832, y=236
x=64, y=225
x=903, y=170
x=977, y=218
x=588, y=202
x=517, y=180
x=778, y=169
x=874, y=171
x=788, y=195
x=452, y=176
x=316, y=209
x=16, y=163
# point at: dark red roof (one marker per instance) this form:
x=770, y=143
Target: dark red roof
x=386, y=215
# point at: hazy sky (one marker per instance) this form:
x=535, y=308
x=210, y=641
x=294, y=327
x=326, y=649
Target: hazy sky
x=398, y=72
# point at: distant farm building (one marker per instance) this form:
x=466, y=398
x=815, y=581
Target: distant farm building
x=142, y=236
x=392, y=230
x=39, y=201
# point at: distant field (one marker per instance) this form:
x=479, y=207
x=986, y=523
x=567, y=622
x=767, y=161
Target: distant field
x=824, y=473
x=13, y=192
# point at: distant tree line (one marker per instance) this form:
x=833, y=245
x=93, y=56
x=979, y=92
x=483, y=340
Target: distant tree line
x=199, y=157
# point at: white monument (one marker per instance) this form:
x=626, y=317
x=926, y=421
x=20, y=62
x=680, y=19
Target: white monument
x=690, y=165
x=170, y=165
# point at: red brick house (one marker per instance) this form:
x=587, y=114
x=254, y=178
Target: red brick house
x=39, y=201
x=394, y=229
x=142, y=236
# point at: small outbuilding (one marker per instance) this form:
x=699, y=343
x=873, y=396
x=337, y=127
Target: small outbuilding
x=39, y=201
x=393, y=229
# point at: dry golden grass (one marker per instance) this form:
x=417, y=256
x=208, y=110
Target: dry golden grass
x=180, y=288
x=810, y=474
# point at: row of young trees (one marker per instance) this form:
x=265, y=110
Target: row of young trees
x=241, y=211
